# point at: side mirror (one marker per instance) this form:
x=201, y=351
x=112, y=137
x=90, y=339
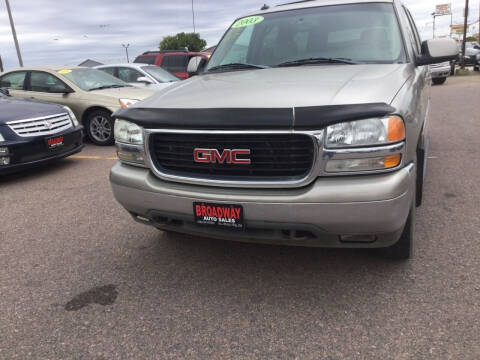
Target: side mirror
x=5, y=91
x=437, y=51
x=196, y=65
x=59, y=89
x=145, y=80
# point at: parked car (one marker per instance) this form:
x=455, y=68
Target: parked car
x=440, y=72
x=32, y=133
x=174, y=61
x=149, y=76
x=306, y=127
x=91, y=94
x=477, y=62
x=472, y=49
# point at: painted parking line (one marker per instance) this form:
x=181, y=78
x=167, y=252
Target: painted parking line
x=92, y=157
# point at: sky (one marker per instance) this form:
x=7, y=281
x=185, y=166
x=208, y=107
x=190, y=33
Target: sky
x=52, y=32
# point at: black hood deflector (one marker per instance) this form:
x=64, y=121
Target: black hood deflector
x=299, y=118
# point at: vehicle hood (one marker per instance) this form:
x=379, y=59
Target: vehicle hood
x=287, y=87
x=159, y=86
x=19, y=109
x=129, y=92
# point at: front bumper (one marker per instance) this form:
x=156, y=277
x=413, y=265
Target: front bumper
x=32, y=151
x=320, y=212
x=440, y=72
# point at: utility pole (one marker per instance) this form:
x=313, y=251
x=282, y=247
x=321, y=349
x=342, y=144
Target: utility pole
x=465, y=23
x=193, y=18
x=126, y=51
x=434, y=17
x=14, y=33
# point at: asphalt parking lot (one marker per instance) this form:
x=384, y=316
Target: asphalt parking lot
x=80, y=280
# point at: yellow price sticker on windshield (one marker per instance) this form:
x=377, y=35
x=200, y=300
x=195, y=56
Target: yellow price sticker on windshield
x=248, y=21
x=65, y=71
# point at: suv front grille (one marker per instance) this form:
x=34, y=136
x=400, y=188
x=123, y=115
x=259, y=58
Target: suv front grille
x=46, y=125
x=273, y=156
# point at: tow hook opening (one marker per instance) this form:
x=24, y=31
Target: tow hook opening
x=298, y=234
x=358, y=238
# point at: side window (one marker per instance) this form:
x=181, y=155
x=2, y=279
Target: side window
x=175, y=63
x=412, y=32
x=128, y=75
x=13, y=81
x=43, y=82
x=145, y=60
x=110, y=70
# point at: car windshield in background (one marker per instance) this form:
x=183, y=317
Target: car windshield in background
x=353, y=33
x=92, y=79
x=159, y=74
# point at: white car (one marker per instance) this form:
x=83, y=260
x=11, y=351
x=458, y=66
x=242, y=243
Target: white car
x=141, y=75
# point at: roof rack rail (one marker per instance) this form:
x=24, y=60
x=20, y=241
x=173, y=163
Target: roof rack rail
x=295, y=2
x=163, y=51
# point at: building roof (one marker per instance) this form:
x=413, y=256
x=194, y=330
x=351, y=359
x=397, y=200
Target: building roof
x=90, y=63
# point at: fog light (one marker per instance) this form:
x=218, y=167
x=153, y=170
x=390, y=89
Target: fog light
x=377, y=163
x=4, y=160
x=3, y=150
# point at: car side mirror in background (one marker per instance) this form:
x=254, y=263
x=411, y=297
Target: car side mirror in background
x=436, y=51
x=5, y=91
x=60, y=89
x=196, y=65
x=145, y=80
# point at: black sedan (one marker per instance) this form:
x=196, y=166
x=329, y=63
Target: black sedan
x=32, y=133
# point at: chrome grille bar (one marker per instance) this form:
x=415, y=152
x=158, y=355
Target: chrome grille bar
x=46, y=125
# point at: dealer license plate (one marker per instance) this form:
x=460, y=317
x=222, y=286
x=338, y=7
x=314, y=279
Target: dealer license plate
x=220, y=215
x=54, y=142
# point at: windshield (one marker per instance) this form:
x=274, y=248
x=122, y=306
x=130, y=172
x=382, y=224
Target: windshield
x=358, y=32
x=159, y=74
x=92, y=79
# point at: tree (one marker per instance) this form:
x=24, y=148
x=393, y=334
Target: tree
x=182, y=40
x=471, y=38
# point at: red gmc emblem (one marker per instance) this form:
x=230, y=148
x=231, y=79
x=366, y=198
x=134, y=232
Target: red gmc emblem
x=227, y=156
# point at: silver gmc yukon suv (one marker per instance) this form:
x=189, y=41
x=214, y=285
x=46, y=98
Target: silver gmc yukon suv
x=307, y=126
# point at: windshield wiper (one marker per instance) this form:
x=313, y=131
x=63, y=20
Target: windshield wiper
x=319, y=60
x=235, y=66
x=108, y=87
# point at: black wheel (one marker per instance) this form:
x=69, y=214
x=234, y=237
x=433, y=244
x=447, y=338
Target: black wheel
x=99, y=127
x=402, y=249
x=476, y=68
x=439, y=81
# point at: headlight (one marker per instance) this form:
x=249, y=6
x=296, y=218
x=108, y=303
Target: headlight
x=125, y=103
x=129, y=142
x=365, y=132
x=128, y=132
x=72, y=116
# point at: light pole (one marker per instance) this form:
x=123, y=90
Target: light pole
x=14, y=33
x=434, y=17
x=193, y=18
x=465, y=22
x=126, y=51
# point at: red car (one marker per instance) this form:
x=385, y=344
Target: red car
x=175, y=61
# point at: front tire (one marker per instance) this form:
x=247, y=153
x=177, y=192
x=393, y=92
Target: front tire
x=99, y=127
x=439, y=81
